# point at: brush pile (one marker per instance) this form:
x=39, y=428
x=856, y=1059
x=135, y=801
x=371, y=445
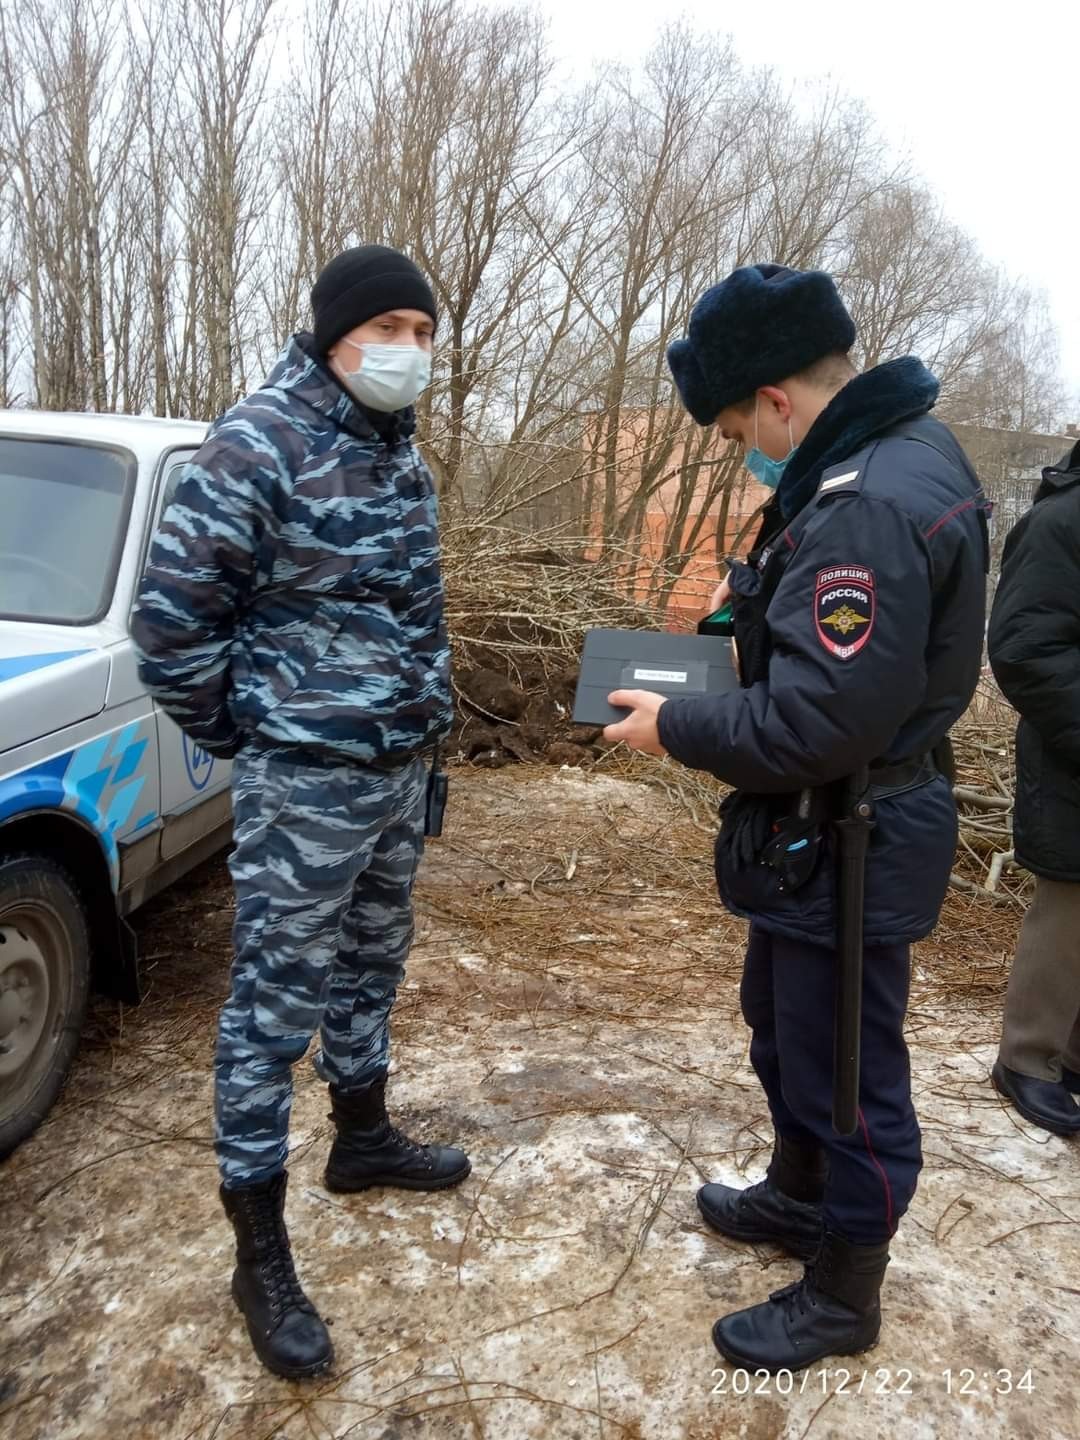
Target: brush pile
x=518, y=607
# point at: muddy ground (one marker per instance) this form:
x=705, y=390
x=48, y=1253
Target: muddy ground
x=571, y=1016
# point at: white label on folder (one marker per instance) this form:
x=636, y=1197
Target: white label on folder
x=662, y=677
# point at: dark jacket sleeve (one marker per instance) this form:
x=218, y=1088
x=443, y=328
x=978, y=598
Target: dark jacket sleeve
x=198, y=577
x=818, y=716
x=1034, y=635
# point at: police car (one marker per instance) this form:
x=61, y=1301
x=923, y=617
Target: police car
x=103, y=801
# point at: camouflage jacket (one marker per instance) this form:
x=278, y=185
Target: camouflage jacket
x=293, y=593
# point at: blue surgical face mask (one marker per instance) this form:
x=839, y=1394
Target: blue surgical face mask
x=389, y=377
x=762, y=466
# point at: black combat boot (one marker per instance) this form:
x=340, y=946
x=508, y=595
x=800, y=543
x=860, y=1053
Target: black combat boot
x=285, y=1329
x=784, y=1208
x=369, y=1151
x=833, y=1310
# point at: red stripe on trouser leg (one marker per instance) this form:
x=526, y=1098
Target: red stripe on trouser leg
x=881, y=1171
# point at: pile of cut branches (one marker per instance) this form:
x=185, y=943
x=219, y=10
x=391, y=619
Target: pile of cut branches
x=985, y=793
x=518, y=607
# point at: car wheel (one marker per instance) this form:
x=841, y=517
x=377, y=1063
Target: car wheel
x=44, y=981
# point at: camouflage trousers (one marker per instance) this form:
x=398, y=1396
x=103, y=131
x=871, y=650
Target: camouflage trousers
x=323, y=869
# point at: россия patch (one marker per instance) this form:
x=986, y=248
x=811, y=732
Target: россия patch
x=844, y=609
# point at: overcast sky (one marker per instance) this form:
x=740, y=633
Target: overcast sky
x=983, y=98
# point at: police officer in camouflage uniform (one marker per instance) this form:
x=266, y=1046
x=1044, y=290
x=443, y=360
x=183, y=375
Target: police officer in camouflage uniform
x=291, y=615
x=858, y=622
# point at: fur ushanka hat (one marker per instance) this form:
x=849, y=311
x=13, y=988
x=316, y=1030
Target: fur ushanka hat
x=757, y=327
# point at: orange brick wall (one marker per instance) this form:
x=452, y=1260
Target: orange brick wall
x=701, y=574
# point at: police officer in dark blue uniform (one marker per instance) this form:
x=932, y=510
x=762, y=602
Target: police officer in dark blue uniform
x=858, y=622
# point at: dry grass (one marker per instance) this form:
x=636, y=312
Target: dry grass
x=573, y=969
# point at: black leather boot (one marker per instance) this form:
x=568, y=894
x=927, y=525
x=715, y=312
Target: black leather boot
x=1071, y=1080
x=833, y=1310
x=1046, y=1103
x=784, y=1208
x=369, y=1151
x=284, y=1326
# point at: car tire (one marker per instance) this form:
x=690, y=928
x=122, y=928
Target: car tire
x=44, y=983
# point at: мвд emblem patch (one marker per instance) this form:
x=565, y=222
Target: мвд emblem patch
x=844, y=609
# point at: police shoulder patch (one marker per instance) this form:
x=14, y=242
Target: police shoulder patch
x=833, y=482
x=844, y=609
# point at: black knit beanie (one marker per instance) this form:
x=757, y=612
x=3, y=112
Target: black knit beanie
x=361, y=283
x=761, y=325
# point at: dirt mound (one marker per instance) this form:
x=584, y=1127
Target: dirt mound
x=518, y=609
x=501, y=721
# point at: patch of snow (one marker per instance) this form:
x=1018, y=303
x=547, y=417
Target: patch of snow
x=472, y=962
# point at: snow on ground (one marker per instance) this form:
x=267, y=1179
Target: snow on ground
x=581, y=1037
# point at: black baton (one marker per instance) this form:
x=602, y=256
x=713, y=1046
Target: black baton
x=854, y=826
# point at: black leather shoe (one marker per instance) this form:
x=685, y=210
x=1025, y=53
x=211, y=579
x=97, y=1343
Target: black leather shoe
x=1071, y=1080
x=284, y=1326
x=763, y=1213
x=833, y=1310
x=369, y=1151
x=1046, y=1103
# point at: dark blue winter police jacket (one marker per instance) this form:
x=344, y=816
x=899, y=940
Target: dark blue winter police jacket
x=859, y=622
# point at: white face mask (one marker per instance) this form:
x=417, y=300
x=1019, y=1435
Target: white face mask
x=389, y=377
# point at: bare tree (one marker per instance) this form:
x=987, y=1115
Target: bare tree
x=316, y=141
x=456, y=146
x=11, y=283
x=168, y=194
x=222, y=75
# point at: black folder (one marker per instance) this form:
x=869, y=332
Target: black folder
x=657, y=660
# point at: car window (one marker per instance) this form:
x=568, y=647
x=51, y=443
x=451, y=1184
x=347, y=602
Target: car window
x=172, y=472
x=63, y=517
x=173, y=476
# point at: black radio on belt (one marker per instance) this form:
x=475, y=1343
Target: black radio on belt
x=437, y=789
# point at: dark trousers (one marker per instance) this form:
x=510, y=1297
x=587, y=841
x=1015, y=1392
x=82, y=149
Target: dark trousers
x=788, y=999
